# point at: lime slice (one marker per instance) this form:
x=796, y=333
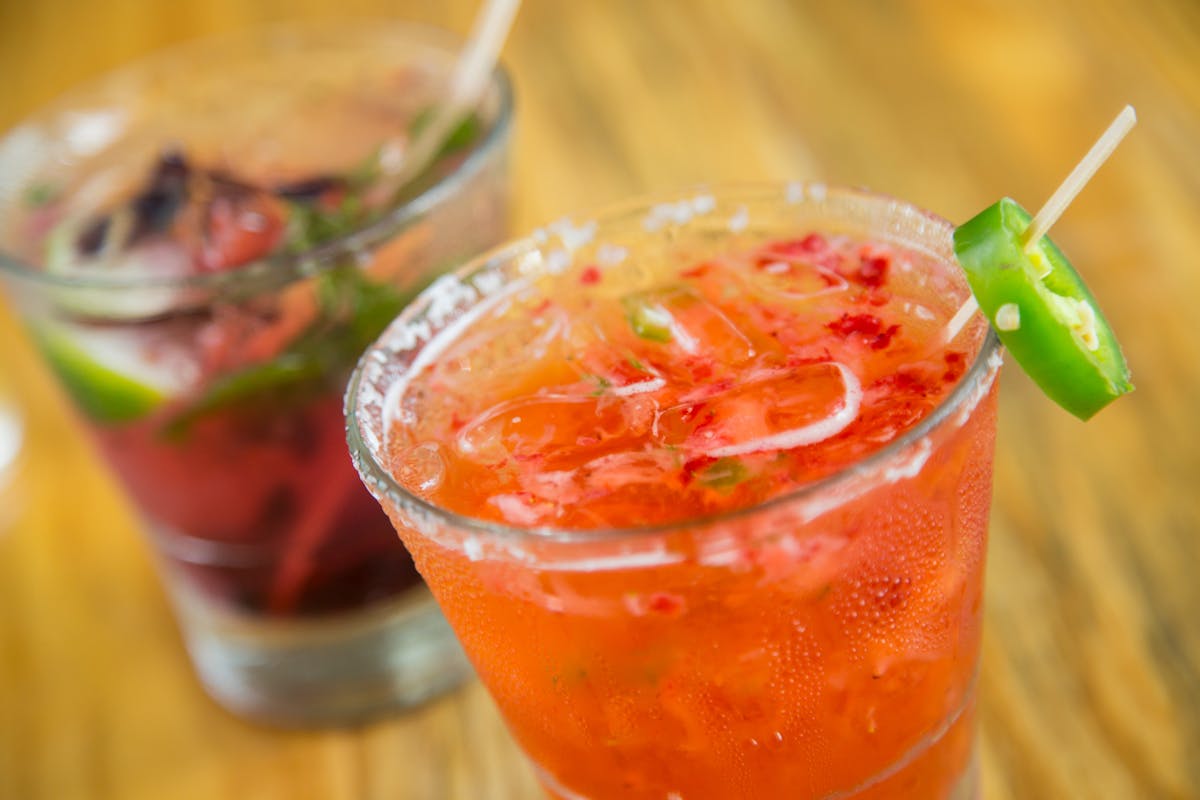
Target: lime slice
x=106, y=373
x=1041, y=310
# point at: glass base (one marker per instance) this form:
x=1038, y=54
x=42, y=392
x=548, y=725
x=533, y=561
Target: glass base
x=966, y=788
x=944, y=766
x=327, y=672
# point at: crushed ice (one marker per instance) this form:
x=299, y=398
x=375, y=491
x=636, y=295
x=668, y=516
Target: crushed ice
x=809, y=434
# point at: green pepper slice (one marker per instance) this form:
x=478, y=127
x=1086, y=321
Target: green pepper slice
x=648, y=318
x=1041, y=310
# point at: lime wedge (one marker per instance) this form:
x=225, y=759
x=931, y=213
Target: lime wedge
x=105, y=372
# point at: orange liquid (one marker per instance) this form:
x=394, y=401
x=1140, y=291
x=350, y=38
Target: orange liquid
x=824, y=646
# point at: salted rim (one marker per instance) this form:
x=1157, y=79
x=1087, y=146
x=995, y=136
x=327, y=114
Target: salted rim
x=280, y=265
x=378, y=476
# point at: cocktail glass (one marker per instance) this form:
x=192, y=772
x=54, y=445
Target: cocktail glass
x=213, y=387
x=821, y=644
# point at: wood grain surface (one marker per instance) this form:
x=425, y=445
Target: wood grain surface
x=1091, y=673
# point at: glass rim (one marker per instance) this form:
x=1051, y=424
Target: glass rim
x=377, y=476
x=288, y=267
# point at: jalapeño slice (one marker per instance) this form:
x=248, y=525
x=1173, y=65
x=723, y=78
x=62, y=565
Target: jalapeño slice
x=1041, y=310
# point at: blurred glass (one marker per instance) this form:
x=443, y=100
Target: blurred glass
x=201, y=248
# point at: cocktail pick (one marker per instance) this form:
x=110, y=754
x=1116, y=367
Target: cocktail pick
x=1038, y=305
x=1058, y=202
x=1049, y=213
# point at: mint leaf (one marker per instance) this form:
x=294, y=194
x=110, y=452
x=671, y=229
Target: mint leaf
x=286, y=379
x=462, y=135
x=309, y=225
x=38, y=195
x=354, y=311
x=363, y=307
x=366, y=172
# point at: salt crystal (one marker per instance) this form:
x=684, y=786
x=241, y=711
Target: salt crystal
x=740, y=220
x=610, y=255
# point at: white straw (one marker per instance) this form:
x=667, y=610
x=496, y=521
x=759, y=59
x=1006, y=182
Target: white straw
x=471, y=76
x=1058, y=202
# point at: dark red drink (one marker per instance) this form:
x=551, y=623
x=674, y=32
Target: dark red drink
x=202, y=279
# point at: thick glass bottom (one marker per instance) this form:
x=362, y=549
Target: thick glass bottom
x=328, y=671
x=943, y=766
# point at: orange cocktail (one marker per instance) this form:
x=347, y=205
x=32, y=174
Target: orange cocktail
x=704, y=492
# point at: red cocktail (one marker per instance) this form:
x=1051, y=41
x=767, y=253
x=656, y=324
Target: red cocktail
x=704, y=493
x=202, y=246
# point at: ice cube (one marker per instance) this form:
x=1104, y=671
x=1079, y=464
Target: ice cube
x=551, y=429
x=773, y=410
x=609, y=368
x=797, y=270
x=615, y=471
x=681, y=319
x=611, y=484
x=504, y=352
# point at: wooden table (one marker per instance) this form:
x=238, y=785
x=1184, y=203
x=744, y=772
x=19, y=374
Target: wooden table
x=1091, y=676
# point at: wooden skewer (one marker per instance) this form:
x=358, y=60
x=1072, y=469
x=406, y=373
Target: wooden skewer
x=1049, y=213
x=964, y=313
x=1083, y=172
